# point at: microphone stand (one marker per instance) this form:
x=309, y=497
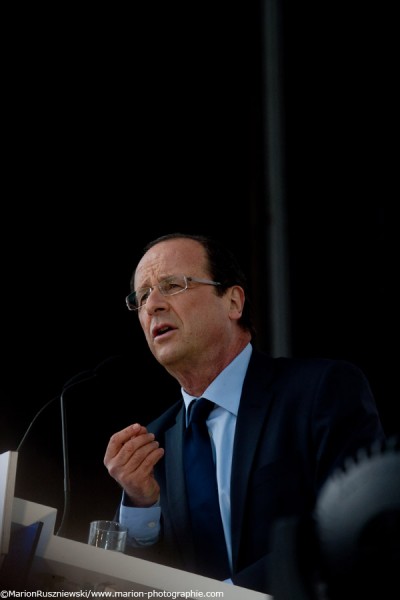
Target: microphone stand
x=33, y=422
x=79, y=378
x=67, y=486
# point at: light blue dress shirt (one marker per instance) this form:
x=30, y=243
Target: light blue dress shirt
x=225, y=392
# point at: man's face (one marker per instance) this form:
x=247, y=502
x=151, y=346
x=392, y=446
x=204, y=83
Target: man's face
x=188, y=328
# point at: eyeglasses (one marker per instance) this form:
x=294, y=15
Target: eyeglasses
x=167, y=287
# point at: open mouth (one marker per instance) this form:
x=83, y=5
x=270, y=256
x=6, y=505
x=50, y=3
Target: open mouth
x=162, y=330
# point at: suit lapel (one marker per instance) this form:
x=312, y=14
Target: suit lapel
x=254, y=405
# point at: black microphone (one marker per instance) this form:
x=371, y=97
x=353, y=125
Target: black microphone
x=80, y=377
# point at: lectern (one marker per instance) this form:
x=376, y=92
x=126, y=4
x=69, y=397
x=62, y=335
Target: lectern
x=60, y=564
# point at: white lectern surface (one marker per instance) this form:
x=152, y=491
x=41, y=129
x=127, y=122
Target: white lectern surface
x=65, y=565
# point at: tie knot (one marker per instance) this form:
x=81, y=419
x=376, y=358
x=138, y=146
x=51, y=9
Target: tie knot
x=199, y=410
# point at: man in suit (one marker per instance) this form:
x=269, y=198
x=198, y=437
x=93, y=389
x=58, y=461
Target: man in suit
x=278, y=427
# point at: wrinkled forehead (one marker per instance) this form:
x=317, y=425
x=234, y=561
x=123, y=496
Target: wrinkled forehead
x=171, y=257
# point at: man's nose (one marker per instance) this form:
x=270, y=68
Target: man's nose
x=155, y=300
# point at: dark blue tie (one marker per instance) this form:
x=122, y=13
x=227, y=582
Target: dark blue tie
x=202, y=492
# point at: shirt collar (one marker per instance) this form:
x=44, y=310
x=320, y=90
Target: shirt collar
x=226, y=389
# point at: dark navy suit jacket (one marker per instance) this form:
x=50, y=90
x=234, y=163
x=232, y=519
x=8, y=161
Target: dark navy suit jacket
x=298, y=420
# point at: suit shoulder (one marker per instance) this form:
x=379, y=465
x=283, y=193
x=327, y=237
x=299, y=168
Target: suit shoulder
x=301, y=367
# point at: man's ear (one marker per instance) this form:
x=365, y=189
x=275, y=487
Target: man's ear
x=237, y=299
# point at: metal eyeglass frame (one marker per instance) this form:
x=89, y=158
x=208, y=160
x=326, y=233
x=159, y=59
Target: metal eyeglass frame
x=131, y=301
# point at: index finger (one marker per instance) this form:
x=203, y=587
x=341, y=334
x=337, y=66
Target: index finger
x=121, y=437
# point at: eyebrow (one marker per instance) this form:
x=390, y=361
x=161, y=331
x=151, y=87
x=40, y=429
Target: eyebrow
x=146, y=285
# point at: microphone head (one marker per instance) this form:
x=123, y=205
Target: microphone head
x=90, y=373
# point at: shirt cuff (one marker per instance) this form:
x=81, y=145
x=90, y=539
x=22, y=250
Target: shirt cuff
x=143, y=524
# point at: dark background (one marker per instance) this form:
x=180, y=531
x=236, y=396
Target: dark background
x=122, y=126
